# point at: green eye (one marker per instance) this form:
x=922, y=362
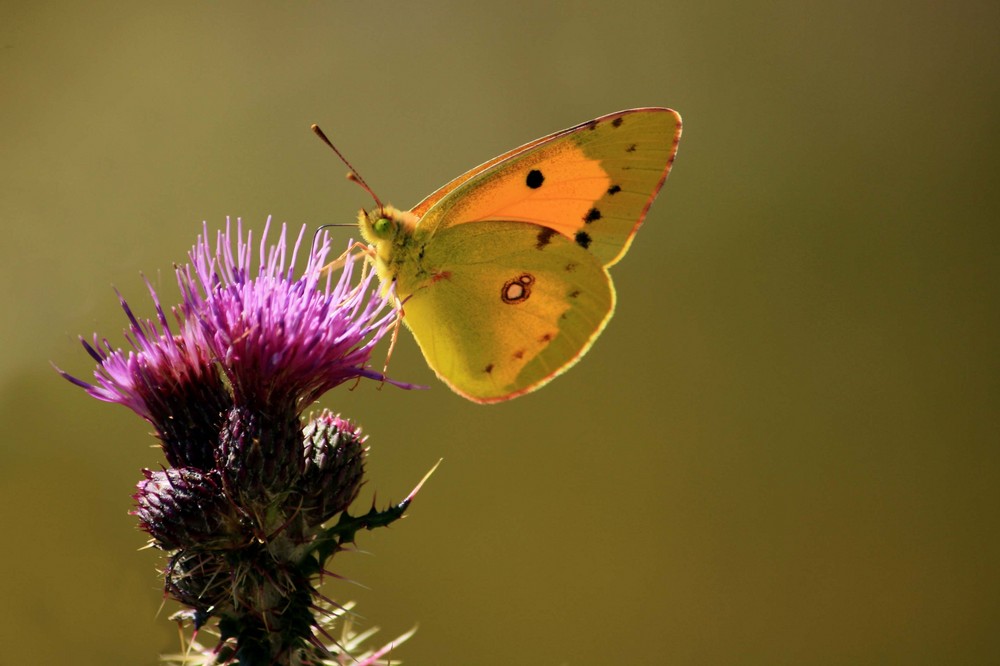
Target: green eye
x=382, y=225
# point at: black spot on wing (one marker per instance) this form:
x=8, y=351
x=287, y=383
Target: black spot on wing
x=592, y=215
x=545, y=235
x=535, y=179
x=614, y=189
x=488, y=369
x=592, y=125
x=583, y=239
x=630, y=149
x=617, y=122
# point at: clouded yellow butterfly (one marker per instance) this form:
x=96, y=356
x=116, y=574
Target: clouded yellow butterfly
x=503, y=271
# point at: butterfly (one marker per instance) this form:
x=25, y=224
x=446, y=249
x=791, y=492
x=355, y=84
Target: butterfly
x=503, y=272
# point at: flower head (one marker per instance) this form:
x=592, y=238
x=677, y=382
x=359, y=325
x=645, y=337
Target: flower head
x=168, y=379
x=254, y=336
x=282, y=341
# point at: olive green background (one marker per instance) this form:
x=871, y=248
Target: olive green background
x=782, y=450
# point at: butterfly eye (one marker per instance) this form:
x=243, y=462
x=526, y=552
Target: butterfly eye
x=382, y=225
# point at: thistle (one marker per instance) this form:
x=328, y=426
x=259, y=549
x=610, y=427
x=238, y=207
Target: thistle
x=245, y=509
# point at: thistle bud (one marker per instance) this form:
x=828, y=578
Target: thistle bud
x=334, y=466
x=199, y=579
x=183, y=507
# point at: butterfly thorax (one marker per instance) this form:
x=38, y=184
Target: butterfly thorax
x=397, y=244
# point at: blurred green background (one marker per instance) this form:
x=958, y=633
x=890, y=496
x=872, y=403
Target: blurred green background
x=784, y=447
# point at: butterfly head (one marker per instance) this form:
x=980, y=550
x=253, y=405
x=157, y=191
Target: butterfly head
x=385, y=224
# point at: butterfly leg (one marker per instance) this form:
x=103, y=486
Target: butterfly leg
x=398, y=306
x=357, y=247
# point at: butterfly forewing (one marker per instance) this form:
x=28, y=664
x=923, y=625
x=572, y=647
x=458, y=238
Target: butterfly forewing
x=592, y=183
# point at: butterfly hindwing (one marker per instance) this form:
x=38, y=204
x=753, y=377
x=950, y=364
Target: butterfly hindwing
x=592, y=183
x=509, y=306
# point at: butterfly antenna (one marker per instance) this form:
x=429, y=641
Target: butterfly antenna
x=353, y=175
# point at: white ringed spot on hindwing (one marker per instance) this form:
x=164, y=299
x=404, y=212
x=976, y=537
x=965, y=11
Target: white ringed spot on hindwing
x=518, y=289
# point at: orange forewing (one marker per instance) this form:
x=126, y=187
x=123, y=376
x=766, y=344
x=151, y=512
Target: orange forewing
x=593, y=182
x=432, y=199
x=573, y=182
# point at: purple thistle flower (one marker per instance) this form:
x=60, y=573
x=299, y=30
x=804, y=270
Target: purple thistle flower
x=169, y=380
x=260, y=338
x=242, y=507
x=282, y=341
